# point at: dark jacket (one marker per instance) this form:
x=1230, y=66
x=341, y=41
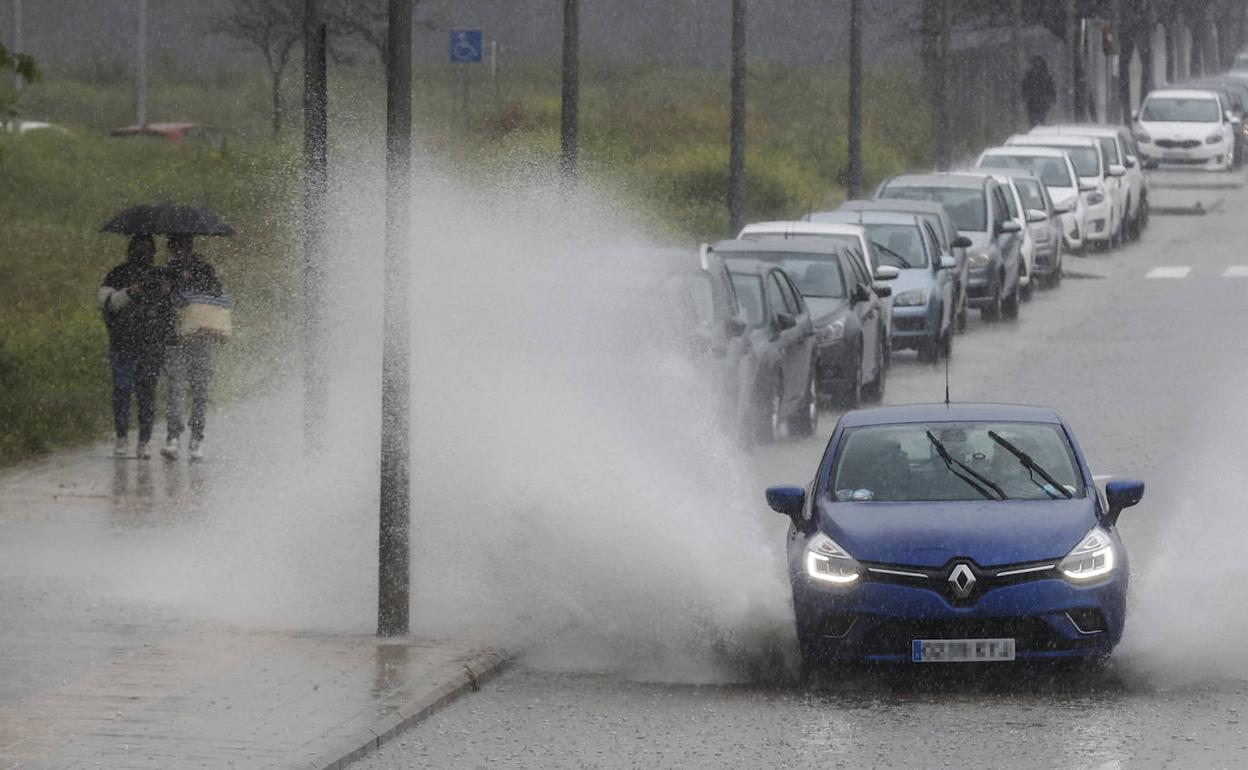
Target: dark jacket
x=1039, y=92
x=140, y=323
x=194, y=276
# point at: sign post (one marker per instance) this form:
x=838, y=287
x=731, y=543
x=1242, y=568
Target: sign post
x=467, y=47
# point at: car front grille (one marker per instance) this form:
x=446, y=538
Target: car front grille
x=941, y=579
x=1171, y=144
x=909, y=323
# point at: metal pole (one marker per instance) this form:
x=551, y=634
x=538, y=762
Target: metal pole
x=1016, y=65
x=465, y=78
x=140, y=67
x=569, y=119
x=736, y=140
x=315, y=177
x=393, y=552
x=18, y=82
x=494, y=73
x=944, y=140
x=855, y=99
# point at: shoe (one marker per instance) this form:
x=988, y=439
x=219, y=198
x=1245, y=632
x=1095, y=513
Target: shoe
x=121, y=447
x=196, y=448
x=170, y=449
x=143, y=452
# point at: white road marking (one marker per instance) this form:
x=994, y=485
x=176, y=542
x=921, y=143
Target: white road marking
x=1180, y=271
x=1236, y=271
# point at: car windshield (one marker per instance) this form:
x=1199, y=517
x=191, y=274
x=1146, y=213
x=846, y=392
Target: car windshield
x=1052, y=171
x=1032, y=192
x=965, y=205
x=1173, y=110
x=907, y=463
x=816, y=275
x=1109, y=146
x=1087, y=160
x=898, y=245
x=750, y=294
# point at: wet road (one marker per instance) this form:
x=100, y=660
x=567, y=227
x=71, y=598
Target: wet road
x=1143, y=351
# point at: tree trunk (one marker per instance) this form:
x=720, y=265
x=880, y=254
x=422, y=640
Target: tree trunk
x=1072, y=61
x=1172, y=52
x=855, y=99
x=275, y=80
x=569, y=95
x=1145, y=44
x=1016, y=64
x=944, y=131
x=736, y=139
x=1126, y=49
x=929, y=50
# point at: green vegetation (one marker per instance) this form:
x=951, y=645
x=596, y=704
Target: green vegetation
x=656, y=137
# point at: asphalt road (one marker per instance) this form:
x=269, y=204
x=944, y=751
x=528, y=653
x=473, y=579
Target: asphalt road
x=1143, y=351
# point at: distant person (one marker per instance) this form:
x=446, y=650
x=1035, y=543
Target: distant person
x=199, y=301
x=135, y=299
x=1038, y=91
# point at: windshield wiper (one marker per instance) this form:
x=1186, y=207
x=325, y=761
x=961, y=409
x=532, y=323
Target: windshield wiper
x=980, y=482
x=1032, y=465
x=892, y=254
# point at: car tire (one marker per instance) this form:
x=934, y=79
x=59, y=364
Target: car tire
x=874, y=392
x=851, y=397
x=805, y=422
x=1009, y=305
x=769, y=415
x=992, y=312
x=963, y=312
x=1025, y=291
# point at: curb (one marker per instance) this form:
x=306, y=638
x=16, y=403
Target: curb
x=481, y=668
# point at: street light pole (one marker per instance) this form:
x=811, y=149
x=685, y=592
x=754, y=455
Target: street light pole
x=736, y=140
x=570, y=94
x=393, y=552
x=140, y=68
x=315, y=179
x=855, y=99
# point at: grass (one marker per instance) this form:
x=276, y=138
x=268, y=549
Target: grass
x=657, y=137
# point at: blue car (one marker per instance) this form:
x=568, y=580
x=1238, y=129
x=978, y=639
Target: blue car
x=955, y=533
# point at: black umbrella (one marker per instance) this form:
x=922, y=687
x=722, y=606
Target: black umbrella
x=167, y=219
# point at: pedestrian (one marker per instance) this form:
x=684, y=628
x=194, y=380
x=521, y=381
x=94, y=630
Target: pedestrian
x=135, y=298
x=1038, y=91
x=201, y=324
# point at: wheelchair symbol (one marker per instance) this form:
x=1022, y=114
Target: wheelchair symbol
x=465, y=46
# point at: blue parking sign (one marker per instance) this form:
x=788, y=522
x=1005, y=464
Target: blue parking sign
x=467, y=46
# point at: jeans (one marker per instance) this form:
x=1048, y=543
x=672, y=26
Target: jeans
x=188, y=365
x=137, y=373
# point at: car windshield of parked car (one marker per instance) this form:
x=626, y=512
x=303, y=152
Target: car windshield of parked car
x=1032, y=192
x=1052, y=171
x=1172, y=110
x=815, y=275
x=898, y=245
x=750, y=294
x=907, y=463
x=965, y=205
x=1109, y=147
x=1087, y=160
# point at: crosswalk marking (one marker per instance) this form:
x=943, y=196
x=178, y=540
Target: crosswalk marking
x=1179, y=271
x=1236, y=271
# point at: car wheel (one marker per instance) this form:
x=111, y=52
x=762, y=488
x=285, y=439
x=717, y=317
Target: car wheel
x=875, y=391
x=769, y=416
x=992, y=312
x=806, y=421
x=1009, y=306
x=962, y=314
x=1025, y=291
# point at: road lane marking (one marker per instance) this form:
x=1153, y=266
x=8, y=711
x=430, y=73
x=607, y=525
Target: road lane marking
x=1236, y=271
x=1180, y=271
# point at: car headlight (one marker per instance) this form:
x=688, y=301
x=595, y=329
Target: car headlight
x=827, y=562
x=978, y=259
x=1141, y=135
x=1094, y=557
x=911, y=298
x=832, y=332
x=1095, y=197
x=1214, y=138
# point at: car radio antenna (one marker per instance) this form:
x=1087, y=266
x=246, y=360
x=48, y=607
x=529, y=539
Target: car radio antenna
x=947, y=376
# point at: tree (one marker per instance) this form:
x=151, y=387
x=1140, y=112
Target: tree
x=18, y=64
x=368, y=20
x=271, y=26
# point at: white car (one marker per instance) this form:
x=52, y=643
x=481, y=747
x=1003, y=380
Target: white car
x=1185, y=127
x=1018, y=212
x=1130, y=189
x=1104, y=213
x=1057, y=172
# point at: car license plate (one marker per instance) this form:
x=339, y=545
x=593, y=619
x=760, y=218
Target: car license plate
x=1173, y=155
x=961, y=650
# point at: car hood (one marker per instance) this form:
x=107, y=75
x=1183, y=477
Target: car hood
x=979, y=240
x=825, y=310
x=1178, y=130
x=930, y=534
x=912, y=278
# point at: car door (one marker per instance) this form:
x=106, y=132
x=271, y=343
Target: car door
x=786, y=333
x=866, y=308
x=941, y=279
x=801, y=355
x=1007, y=245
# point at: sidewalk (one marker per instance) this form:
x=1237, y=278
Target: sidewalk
x=103, y=665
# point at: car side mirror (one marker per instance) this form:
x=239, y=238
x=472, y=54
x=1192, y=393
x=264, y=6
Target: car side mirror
x=1116, y=169
x=886, y=273
x=785, y=321
x=1122, y=494
x=961, y=242
x=1036, y=216
x=1065, y=207
x=1131, y=161
x=946, y=263
x=860, y=294
x=787, y=500
x=1228, y=117
x=1009, y=226
x=882, y=290
x=735, y=326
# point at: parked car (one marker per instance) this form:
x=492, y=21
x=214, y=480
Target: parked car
x=1104, y=205
x=1018, y=212
x=952, y=243
x=923, y=295
x=1120, y=146
x=1185, y=127
x=1057, y=172
x=1234, y=95
x=977, y=204
x=1044, y=224
x=953, y=533
x=845, y=305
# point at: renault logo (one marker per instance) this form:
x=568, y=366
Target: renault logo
x=962, y=580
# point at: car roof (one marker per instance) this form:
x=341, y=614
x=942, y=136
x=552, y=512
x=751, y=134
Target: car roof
x=746, y=266
x=783, y=229
x=1060, y=140
x=808, y=246
x=955, y=412
x=1077, y=129
x=939, y=179
x=1183, y=93
x=871, y=217
x=896, y=204
x=1014, y=173
x=1034, y=150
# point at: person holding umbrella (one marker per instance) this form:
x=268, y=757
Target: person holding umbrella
x=197, y=318
x=135, y=300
